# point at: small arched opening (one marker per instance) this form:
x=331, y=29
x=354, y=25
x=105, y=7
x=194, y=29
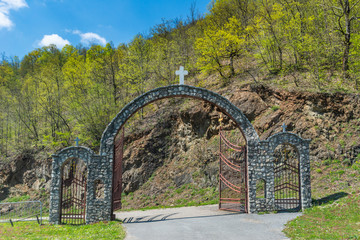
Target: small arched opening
x=99, y=191
x=261, y=189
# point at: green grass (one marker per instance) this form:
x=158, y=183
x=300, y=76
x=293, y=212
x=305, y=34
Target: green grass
x=275, y=108
x=32, y=230
x=334, y=219
x=17, y=198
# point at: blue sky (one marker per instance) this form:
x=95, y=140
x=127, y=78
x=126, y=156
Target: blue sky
x=29, y=24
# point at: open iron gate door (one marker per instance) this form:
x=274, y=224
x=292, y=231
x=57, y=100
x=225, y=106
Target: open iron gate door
x=232, y=176
x=117, y=171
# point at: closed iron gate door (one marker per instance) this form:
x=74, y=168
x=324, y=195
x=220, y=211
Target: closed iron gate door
x=232, y=176
x=73, y=192
x=287, y=178
x=117, y=171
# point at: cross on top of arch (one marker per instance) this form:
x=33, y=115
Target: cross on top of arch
x=181, y=73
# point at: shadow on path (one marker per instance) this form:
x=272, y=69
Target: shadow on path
x=167, y=217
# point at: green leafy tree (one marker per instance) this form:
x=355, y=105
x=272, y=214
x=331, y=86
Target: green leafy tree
x=218, y=49
x=135, y=69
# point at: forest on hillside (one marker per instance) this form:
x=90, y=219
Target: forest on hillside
x=53, y=95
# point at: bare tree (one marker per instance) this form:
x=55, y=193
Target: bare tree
x=345, y=12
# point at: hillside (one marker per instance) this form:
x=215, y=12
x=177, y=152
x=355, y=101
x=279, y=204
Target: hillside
x=292, y=62
x=171, y=153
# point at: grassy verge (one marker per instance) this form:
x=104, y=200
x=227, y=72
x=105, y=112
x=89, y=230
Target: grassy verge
x=339, y=219
x=31, y=230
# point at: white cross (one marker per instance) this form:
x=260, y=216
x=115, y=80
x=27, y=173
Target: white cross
x=181, y=72
x=77, y=141
x=284, y=127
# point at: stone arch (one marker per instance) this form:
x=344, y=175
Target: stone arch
x=259, y=156
x=82, y=153
x=108, y=136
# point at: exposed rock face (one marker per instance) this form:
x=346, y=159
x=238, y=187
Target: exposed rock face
x=250, y=104
x=145, y=155
x=170, y=140
x=330, y=120
x=26, y=169
x=29, y=170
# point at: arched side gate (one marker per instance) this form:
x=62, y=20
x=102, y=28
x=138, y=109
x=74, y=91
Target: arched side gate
x=73, y=192
x=232, y=176
x=290, y=166
x=287, y=178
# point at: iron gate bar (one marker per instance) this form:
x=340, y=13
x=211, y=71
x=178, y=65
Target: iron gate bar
x=231, y=145
x=291, y=168
x=230, y=164
x=230, y=185
x=286, y=185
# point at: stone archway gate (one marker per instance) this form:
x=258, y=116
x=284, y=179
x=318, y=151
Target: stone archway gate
x=100, y=167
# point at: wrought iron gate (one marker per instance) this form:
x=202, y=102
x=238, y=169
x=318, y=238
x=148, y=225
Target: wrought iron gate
x=73, y=192
x=117, y=171
x=287, y=179
x=232, y=176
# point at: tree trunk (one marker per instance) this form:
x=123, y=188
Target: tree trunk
x=347, y=34
x=232, y=69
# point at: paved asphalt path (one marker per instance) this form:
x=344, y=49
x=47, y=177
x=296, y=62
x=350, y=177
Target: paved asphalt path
x=205, y=222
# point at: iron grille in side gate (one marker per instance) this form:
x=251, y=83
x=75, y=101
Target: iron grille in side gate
x=287, y=178
x=73, y=192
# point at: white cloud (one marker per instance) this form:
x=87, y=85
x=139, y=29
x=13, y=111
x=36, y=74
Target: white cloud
x=53, y=39
x=5, y=7
x=90, y=38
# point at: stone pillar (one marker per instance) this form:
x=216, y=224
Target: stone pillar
x=99, y=209
x=261, y=167
x=55, y=191
x=305, y=175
